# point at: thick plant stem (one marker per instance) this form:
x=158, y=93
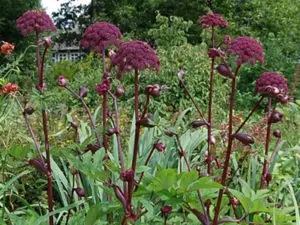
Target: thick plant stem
x=89, y=114
x=229, y=146
x=267, y=143
x=250, y=114
x=49, y=170
x=38, y=61
x=119, y=141
x=104, y=105
x=137, y=133
x=37, y=146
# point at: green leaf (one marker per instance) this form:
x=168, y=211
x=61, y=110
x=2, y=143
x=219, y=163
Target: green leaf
x=99, y=210
x=164, y=180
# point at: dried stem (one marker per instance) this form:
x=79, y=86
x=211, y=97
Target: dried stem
x=89, y=114
x=37, y=146
x=229, y=146
x=267, y=143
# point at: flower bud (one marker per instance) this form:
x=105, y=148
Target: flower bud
x=74, y=125
x=224, y=71
x=160, y=147
x=276, y=117
x=47, y=41
x=111, y=131
x=227, y=40
x=83, y=91
x=277, y=133
x=79, y=191
x=39, y=165
x=169, y=133
x=198, y=168
x=166, y=210
x=235, y=201
x=119, y=92
x=127, y=175
x=244, y=138
x=213, y=52
x=197, y=123
x=28, y=111
x=74, y=171
x=145, y=122
x=153, y=90
x=283, y=99
x=62, y=81
x=181, y=74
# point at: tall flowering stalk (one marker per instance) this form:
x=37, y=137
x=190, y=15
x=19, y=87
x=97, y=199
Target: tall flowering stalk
x=211, y=20
x=245, y=49
x=135, y=56
x=37, y=21
x=273, y=86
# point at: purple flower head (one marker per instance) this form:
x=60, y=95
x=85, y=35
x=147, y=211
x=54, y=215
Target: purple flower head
x=272, y=84
x=247, y=50
x=213, y=20
x=135, y=55
x=103, y=88
x=35, y=20
x=99, y=35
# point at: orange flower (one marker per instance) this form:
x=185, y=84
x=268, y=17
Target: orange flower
x=7, y=48
x=10, y=88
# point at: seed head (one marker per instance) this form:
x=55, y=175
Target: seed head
x=99, y=35
x=247, y=50
x=213, y=20
x=135, y=55
x=35, y=20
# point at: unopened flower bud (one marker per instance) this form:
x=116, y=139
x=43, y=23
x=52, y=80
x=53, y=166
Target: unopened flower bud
x=277, y=133
x=47, y=41
x=166, y=210
x=145, y=122
x=127, y=175
x=235, y=201
x=224, y=71
x=283, y=99
x=196, y=124
x=62, y=81
x=213, y=52
x=181, y=74
x=198, y=168
x=111, y=131
x=244, y=138
x=83, y=91
x=39, y=165
x=29, y=111
x=80, y=191
x=74, y=125
x=227, y=40
x=74, y=171
x=276, y=117
x=119, y=92
x=160, y=147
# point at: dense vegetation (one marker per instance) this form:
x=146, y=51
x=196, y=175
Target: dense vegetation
x=182, y=146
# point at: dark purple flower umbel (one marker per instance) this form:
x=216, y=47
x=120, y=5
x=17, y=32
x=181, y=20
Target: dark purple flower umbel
x=135, y=55
x=103, y=88
x=99, y=35
x=247, y=50
x=272, y=84
x=213, y=20
x=35, y=20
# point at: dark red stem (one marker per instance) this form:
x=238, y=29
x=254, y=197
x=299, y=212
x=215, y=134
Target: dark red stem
x=250, y=114
x=229, y=146
x=89, y=114
x=146, y=106
x=38, y=59
x=50, y=193
x=146, y=163
x=265, y=169
x=37, y=146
